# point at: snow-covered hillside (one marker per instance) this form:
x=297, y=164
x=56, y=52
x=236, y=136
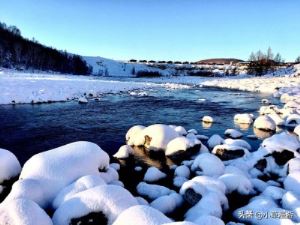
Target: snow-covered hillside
x=108, y=67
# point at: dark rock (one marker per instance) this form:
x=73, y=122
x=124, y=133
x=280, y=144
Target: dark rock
x=192, y=197
x=224, y=154
x=94, y=218
x=281, y=158
x=261, y=164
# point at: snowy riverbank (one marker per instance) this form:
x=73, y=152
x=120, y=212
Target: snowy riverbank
x=42, y=88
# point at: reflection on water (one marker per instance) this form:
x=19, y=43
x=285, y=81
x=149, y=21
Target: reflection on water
x=206, y=125
x=242, y=126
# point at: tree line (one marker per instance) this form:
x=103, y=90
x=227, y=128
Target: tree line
x=20, y=53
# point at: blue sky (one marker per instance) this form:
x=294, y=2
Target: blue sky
x=159, y=29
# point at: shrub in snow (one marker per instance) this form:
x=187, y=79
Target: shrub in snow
x=229, y=152
x=181, y=144
x=9, y=165
x=207, y=119
x=264, y=123
x=82, y=100
x=153, y=174
x=215, y=140
x=156, y=137
x=292, y=120
x=108, y=201
x=23, y=212
x=132, y=134
x=244, y=118
x=79, y=185
x=141, y=215
x=232, y=133
x=292, y=182
x=124, y=152
x=208, y=164
x=152, y=191
x=54, y=169
x=238, y=183
x=168, y=203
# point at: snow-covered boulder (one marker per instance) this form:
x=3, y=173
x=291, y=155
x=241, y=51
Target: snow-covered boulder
x=238, y=183
x=292, y=120
x=167, y=203
x=293, y=165
x=156, y=137
x=48, y=172
x=180, y=223
x=181, y=144
x=292, y=182
x=152, y=191
x=229, y=152
x=9, y=169
x=238, y=142
x=193, y=131
x=124, y=152
x=108, y=201
x=264, y=123
x=23, y=212
x=207, y=119
x=180, y=130
x=215, y=140
x=208, y=164
x=9, y=165
x=232, y=133
x=132, y=134
x=182, y=171
x=153, y=174
x=79, y=185
x=208, y=220
x=141, y=215
x=297, y=130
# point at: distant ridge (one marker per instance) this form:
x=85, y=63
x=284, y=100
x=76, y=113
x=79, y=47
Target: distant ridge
x=221, y=61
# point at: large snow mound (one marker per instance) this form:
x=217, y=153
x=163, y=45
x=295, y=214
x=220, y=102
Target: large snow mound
x=110, y=200
x=54, y=169
x=9, y=165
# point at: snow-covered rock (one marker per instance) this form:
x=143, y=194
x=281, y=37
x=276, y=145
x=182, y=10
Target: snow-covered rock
x=208, y=220
x=141, y=215
x=264, y=123
x=297, y=130
x=208, y=164
x=153, y=174
x=124, y=152
x=215, y=140
x=156, y=137
x=23, y=212
x=9, y=165
x=229, y=152
x=207, y=119
x=181, y=144
x=82, y=100
x=167, y=203
x=292, y=120
x=292, y=182
x=152, y=191
x=107, y=200
x=180, y=130
x=79, y=185
x=182, y=171
x=48, y=172
x=238, y=183
x=132, y=134
x=233, y=133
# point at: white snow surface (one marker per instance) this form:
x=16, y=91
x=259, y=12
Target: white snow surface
x=111, y=200
x=142, y=215
x=208, y=164
x=124, y=152
x=23, y=212
x=50, y=171
x=153, y=174
x=9, y=165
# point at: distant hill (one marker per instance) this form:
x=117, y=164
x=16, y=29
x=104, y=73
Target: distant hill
x=17, y=52
x=219, y=61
